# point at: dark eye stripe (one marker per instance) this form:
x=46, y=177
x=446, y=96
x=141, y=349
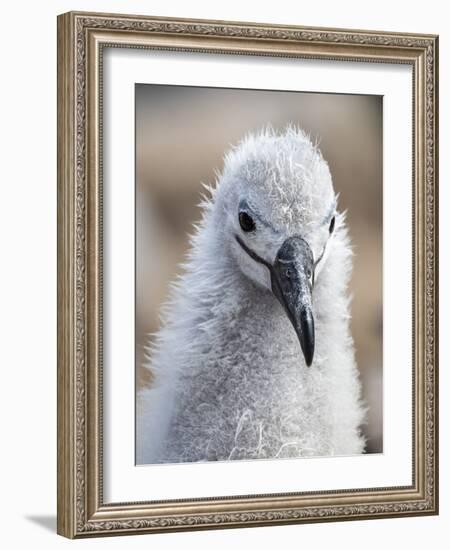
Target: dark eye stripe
x=252, y=254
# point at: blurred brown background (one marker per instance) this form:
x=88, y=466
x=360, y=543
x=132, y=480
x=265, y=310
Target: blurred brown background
x=181, y=136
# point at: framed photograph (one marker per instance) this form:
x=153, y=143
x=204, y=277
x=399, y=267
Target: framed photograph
x=247, y=274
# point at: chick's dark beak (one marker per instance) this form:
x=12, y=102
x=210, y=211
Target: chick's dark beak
x=291, y=277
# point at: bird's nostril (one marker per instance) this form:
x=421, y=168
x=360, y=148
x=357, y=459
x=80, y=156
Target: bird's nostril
x=288, y=273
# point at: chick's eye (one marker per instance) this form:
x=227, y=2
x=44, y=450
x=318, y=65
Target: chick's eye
x=246, y=222
x=331, y=229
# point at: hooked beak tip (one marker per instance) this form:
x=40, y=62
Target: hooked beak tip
x=308, y=360
x=305, y=334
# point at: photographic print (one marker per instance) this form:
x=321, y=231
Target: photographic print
x=247, y=289
x=259, y=312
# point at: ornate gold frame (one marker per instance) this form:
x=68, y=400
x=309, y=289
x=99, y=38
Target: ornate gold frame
x=81, y=38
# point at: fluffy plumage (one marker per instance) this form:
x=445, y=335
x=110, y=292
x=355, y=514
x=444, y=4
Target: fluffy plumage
x=230, y=380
